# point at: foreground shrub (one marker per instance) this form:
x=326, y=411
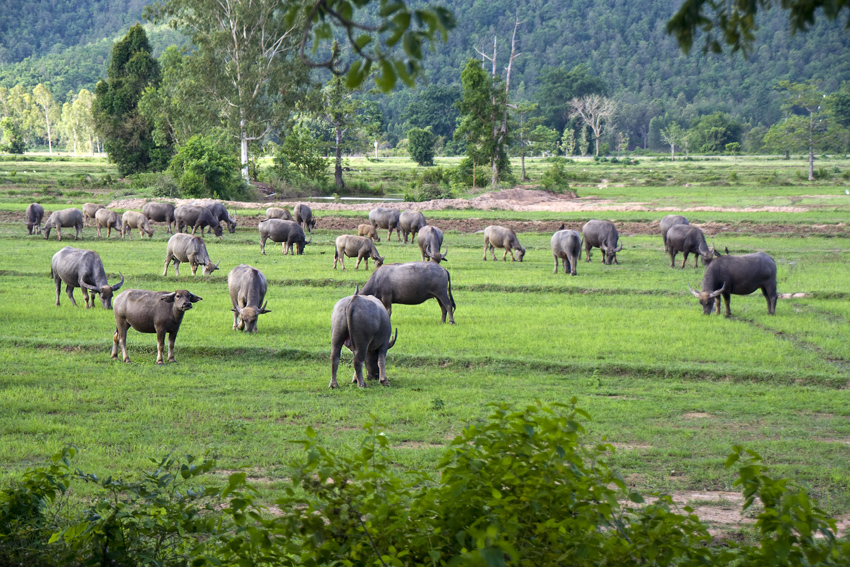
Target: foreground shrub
x=555, y=179
x=206, y=166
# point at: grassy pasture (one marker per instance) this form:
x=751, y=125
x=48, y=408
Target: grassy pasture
x=672, y=389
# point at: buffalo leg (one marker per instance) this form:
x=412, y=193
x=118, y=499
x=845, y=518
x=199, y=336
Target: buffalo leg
x=382, y=369
x=172, y=336
x=168, y=259
x=587, y=252
x=70, y=291
x=446, y=306
x=263, y=245
x=728, y=299
x=673, y=258
x=684, y=259
x=120, y=337
x=194, y=268
x=769, y=293
x=358, y=369
x=160, y=345
x=335, y=364
x=59, y=233
x=696, y=261
x=58, y=283
x=86, y=297
x=556, y=265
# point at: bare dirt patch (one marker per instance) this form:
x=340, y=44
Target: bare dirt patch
x=630, y=446
x=697, y=415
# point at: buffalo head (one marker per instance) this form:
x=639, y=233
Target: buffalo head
x=707, y=298
x=105, y=292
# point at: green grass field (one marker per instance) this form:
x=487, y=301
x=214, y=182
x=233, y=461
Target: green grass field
x=671, y=388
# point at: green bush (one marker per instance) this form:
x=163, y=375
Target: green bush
x=12, y=136
x=206, y=166
x=421, y=146
x=300, y=157
x=158, y=184
x=555, y=179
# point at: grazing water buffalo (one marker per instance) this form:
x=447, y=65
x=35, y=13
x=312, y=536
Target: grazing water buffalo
x=65, y=218
x=601, y=234
x=133, y=219
x=159, y=212
x=196, y=217
x=220, y=214
x=276, y=213
x=430, y=240
x=90, y=210
x=410, y=223
x=739, y=275
x=188, y=248
x=368, y=230
x=247, y=288
x=284, y=231
x=381, y=217
x=356, y=246
x=303, y=215
x=669, y=222
x=84, y=269
x=411, y=284
x=361, y=323
x=566, y=246
x=146, y=311
x=33, y=216
x=689, y=240
x=104, y=218
x=501, y=237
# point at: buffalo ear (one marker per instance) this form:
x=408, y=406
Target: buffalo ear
x=194, y=298
x=169, y=297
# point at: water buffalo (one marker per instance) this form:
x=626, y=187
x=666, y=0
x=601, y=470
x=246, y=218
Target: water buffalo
x=146, y=311
x=501, y=237
x=196, y=217
x=368, y=230
x=566, y=246
x=133, y=219
x=90, y=210
x=601, y=234
x=83, y=269
x=276, y=213
x=286, y=232
x=739, y=275
x=65, y=218
x=303, y=215
x=381, y=217
x=430, y=240
x=411, y=284
x=33, y=216
x=667, y=223
x=356, y=246
x=247, y=288
x=105, y=218
x=188, y=248
x=159, y=212
x=220, y=214
x=689, y=240
x=361, y=323
x=410, y=222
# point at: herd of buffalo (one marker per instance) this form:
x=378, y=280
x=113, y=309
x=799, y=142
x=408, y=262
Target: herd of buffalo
x=361, y=321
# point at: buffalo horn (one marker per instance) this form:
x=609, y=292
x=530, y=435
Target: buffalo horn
x=392, y=341
x=618, y=248
x=91, y=287
x=169, y=297
x=444, y=254
x=718, y=292
x=219, y=262
x=119, y=284
x=263, y=308
x=306, y=242
x=695, y=294
x=237, y=309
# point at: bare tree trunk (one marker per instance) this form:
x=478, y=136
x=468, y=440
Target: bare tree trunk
x=340, y=184
x=811, y=146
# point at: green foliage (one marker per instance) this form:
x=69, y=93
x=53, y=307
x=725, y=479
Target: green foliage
x=158, y=184
x=711, y=133
x=434, y=107
x=558, y=87
x=556, y=179
x=301, y=156
x=12, y=136
x=544, y=140
x=203, y=167
x=421, y=145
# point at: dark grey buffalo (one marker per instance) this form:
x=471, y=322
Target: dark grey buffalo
x=566, y=246
x=196, y=217
x=359, y=247
x=669, y=222
x=368, y=230
x=738, y=275
x=33, y=216
x=277, y=213
x=412, y=283
x=430, y=240
x=303, y=215
x=83, y=269
x=188, y=248
x=159, y=212
x=601, y=234
x=134, y=219
x=361, y=323
x=410, y=223
x=247, y=288
x=381, y=217
x=221, y=215
x=105, y=218
x=288, y=233
x=689, y=240
x=146, y=311
x=66, y=218
x=501, y=237
x=90, y=210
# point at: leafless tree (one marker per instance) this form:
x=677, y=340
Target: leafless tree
x=595, y=111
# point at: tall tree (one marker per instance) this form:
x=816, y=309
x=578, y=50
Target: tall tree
x=127, y=135
x=343, y=113
x=77, y=124
x=525, y=125
x=596, y=111
x=671, y=136
x=558, y=86
x=50, y=111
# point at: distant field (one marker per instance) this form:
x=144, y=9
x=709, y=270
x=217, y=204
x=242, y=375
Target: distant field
x=671, y=388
